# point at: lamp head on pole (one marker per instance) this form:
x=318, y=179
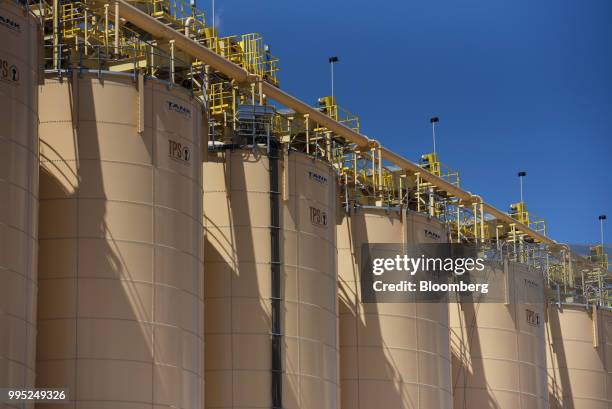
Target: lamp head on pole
x=333, y=59
x=522, y=174
x=602, y=217
x=434, y=120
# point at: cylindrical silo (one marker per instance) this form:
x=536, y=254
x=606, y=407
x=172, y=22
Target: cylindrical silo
x=579, y=357
x=121, y=254
x=240, y=198
x=18, y=195
x=392, y=355
x=498, y=349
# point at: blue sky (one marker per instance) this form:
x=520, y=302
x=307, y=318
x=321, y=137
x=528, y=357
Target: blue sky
x=517, y=84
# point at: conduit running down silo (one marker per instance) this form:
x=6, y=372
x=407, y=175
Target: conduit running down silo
x=239, y=255
x=392, y=355
x=275, y=284
x=18, y=196
x=121, y=298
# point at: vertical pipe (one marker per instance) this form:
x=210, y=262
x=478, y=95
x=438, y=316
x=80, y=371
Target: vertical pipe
x=373, y=157
x=513, y=233
x=286, y=172
x=86, y=32
x=307, y=125
x=152, y=58
x=234, y=97
x=482, y=222
x=275, y=264
x=418, y=191
x=570, y=268
x=475, y=214
x=171, y=61
x=106, y=6
x=595, y=326
x=346, y=198
x=459, y=224
x=117, y=24
x=141, y=103
x=355, y=173
x=497, y=236
x=380, y=170
x=56, y=56
x=431, y=202
x=399, y=190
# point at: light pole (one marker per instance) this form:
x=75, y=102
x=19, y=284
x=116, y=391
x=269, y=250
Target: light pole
x=332, y=61
x=602, y=217
x=213, y=13
x=434, y=120
x=521, y=175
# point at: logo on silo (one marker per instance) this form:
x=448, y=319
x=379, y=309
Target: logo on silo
x=532, y=317
x=9, y=23
x=317, y=178
x=318, y=217
x=431, y=235
x=178, y=108
x=179, y=152
x=8, y=72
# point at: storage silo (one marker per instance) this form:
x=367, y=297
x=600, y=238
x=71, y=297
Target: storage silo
x=18, y=195
x=392, y=355
x=579, y=357
x=498, y=349
x=121, y=254
x=270, y=259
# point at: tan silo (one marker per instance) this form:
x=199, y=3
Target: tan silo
x=239, y=197
x=498, y=348
x=121, y=254
x=392, y=355
x=579, y=357
x=18, y=195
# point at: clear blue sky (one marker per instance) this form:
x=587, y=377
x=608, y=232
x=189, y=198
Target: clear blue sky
x=517, y=84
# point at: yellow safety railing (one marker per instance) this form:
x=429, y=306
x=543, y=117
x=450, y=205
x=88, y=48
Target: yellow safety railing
x=328, y=106
x=219, y=98
x=519, y=212
x=432, y=164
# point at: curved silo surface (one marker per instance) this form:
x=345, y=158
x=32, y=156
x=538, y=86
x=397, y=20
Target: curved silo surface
x=237, y=217
x=121, y=298
x=393, y=355
x=579, y=357
x=18, y=195
x=498, y=349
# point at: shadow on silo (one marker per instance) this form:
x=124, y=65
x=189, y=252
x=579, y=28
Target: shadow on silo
x=469, y=373
x=558, y=388
x=390, y=390
x=95, y=313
